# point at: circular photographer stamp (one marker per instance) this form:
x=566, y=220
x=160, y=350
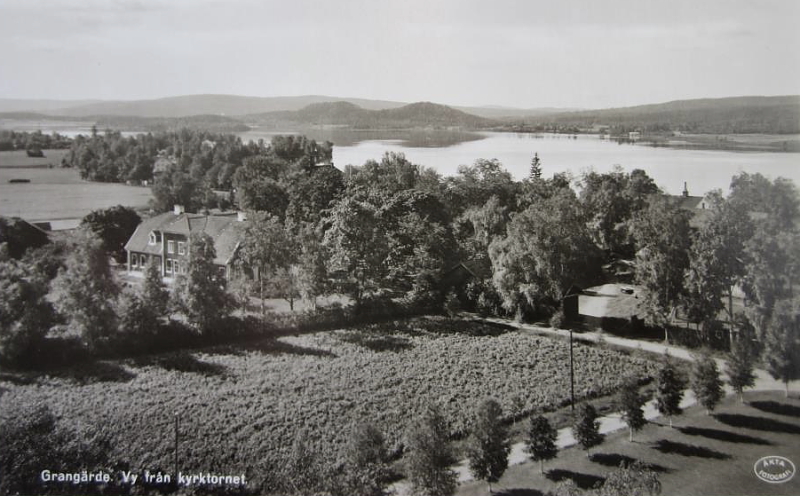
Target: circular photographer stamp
x=774, y=469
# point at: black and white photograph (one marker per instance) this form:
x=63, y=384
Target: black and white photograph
x=399, y=248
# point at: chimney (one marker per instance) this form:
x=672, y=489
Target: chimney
x=178, y=209
x=685, y=190
x=241, y=216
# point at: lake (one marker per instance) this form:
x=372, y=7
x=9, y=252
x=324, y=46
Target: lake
x=702, y=170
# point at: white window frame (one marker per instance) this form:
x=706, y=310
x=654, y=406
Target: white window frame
x=134, y=260
x=143, y=261
x=181, y=248
x=170, y=246
x=168, y=267
x=152, y=240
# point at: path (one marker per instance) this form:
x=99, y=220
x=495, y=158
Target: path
x=608, y=423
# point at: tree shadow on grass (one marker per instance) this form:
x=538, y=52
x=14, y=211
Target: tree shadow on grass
x=776, y=407
x=92, y=372
x=379, y=343
x=672, y=447
x=614, y=460
x=275, y=347
x=583, y=481
x=18, y=379
x=183, y=361
x=757, y=423
x=518, y=492
x=722, y=435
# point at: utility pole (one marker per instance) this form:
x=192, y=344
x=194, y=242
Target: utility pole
x=176, y=445
x=571, y=375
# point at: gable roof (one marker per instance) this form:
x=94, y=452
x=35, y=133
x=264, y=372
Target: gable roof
x=225, y=229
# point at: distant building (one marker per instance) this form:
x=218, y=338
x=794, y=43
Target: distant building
x=634, y=135
x=699, y=206
x=163, y=162
x=164, y=240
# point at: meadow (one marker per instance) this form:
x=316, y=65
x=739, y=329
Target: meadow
x=241, y=408
x=20, y=158
x=57, y=193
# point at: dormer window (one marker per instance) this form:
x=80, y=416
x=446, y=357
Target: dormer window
x=152, y=238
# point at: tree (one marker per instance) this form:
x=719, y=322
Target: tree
x=705, y=381
x=586, y=428
x=717, y=261
x=138, y=322
x=430, y=455
x=632, y=480
x=631, y=403
x=536, y=167
x=739, y=366
x=541, y=443
x=663, y=239
x=175, y=187
x=114, y=226
x=86, y=291
x=268, y=252
x=782, y=342
x=357, y=241
x=366, y=461
x=25, y=314
x=547, y=249
x=202, y=293
x=669, y=389
x=488, y=445
x=312, y=269
x=154, y=293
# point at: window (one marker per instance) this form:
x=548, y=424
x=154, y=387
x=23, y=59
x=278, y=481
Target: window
x=134, y=260
x=170, y=247
x=169, y=266
x=181, y=250
x=152, y=240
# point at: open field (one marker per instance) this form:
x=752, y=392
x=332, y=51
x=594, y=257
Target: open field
x=60, y=193
x=240, y=407
x=20, y=158
x=702, y=455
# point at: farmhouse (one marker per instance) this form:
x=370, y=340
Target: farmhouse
x=164, y=240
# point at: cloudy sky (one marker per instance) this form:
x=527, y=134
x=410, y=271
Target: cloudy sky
x=523, y=53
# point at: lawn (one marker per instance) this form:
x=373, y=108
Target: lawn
x=240, y=407
x=59, y=193
x=702, y=455
x=20, y=158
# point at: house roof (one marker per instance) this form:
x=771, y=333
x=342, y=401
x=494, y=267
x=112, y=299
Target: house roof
x=225, y=229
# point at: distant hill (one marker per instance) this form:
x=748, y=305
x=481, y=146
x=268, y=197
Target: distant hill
x=213, y=123
x=230, y=105
x=735, y=115
x=504, y=113
x=421, y=114
x=29, y=105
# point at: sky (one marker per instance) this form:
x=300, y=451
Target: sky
x=518, y=53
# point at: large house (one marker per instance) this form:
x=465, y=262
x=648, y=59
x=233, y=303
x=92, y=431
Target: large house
x=164, y=240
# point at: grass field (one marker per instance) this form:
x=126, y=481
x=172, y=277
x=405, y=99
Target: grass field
x=60, y=193
x=703, y=455
x=242, y=406
x=20, y=158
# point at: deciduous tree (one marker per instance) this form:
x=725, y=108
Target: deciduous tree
x=782, y=342
x=86, y=291
x=541, y=442
x=663, y=240
x=488, y=445
x=705, y=381
x=202, y=294
x=739, y=366
x=631, y=403
x=586, y=428
x=669, y=389
x=25, y=314
x=114, y=226
x=430, y=456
